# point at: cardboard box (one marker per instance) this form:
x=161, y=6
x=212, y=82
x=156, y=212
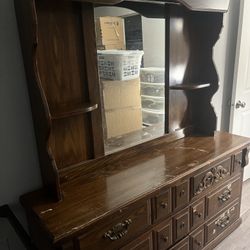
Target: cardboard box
x=123, y=121
x=110, y=31
x=121, y=94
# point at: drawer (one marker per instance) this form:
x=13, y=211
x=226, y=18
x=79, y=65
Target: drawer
x=181, y=194
x=220, y=223
x=197, y=239
x=163, y=235
x=181, y=225
x=162, y=205
x=223, y=197
x=113, y=231
x=210, y=177
x=183, y=245
x=197, y=213
x=237, y=163
x=144, y=242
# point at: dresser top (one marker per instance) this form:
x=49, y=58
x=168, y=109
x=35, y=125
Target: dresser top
x=119, y=181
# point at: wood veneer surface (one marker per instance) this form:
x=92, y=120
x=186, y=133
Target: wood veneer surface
x=121, y=180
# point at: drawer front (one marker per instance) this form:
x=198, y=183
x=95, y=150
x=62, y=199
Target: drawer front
x=163, y=235
x=218, y=225
x=183, y=245
x=163, y=205
x=197, y=239
x=181, y=194
x=115, y=230
x=237, y=163
x=197, y=213
x=211, y=177
x=181, y=225
x=144, y=242
x=223, y=197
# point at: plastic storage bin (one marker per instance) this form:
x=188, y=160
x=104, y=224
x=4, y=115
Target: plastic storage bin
x=153, y=89
x=150, y=117
x=151, y=102
x=152, y=74
x=119, y=64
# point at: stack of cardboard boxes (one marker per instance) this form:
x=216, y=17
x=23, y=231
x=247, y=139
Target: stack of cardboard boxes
x=121, y=98
x=122, y=107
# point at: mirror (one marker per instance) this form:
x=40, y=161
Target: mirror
x=131, y=63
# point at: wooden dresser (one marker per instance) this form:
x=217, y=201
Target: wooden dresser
x=180, y=191
x=180, y=195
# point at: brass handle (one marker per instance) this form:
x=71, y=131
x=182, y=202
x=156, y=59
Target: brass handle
x=118, y=231
x=225, y=196
x=223, y=222
x=164, y=204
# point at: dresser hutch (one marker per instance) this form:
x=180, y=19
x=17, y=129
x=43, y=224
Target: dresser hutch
x=181, y=190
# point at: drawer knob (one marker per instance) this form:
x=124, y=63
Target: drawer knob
x=225, y=196
x=196, y=213
x=164, y=205
x=165, y=238
x=182, y=192
x=238, y=161
x=118, y=231
x=182, y=225
x=198, y=243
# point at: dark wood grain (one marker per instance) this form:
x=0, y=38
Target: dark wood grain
x=90, y=50
x=121, y=181
x=144, y=242
x=27, y=24
x=74, y=111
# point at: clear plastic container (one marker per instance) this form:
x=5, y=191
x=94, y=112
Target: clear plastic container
x=152, y=102
x=119, y=64
x=153, y=89
x=150, y=117
x=152, y=74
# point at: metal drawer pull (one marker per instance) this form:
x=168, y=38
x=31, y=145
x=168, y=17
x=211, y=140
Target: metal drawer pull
x=198, y=243
x=182, y=192
x=164, y=205
x=225, y=196
x=182, y=225
x=118, y=231
x=165, y=238
x=196, y=213
x=211, y=177
x=223, y=222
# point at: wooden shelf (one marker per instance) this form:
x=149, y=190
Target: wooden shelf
x=73, y=111
x=189, y=86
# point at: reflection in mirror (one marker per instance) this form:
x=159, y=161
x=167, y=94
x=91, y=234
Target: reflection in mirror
x=131, y=62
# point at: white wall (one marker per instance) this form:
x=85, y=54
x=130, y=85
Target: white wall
x=224, y=58
x=19, y=169
x=153, y=42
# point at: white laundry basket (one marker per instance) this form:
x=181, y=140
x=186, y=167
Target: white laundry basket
x=119, y=64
